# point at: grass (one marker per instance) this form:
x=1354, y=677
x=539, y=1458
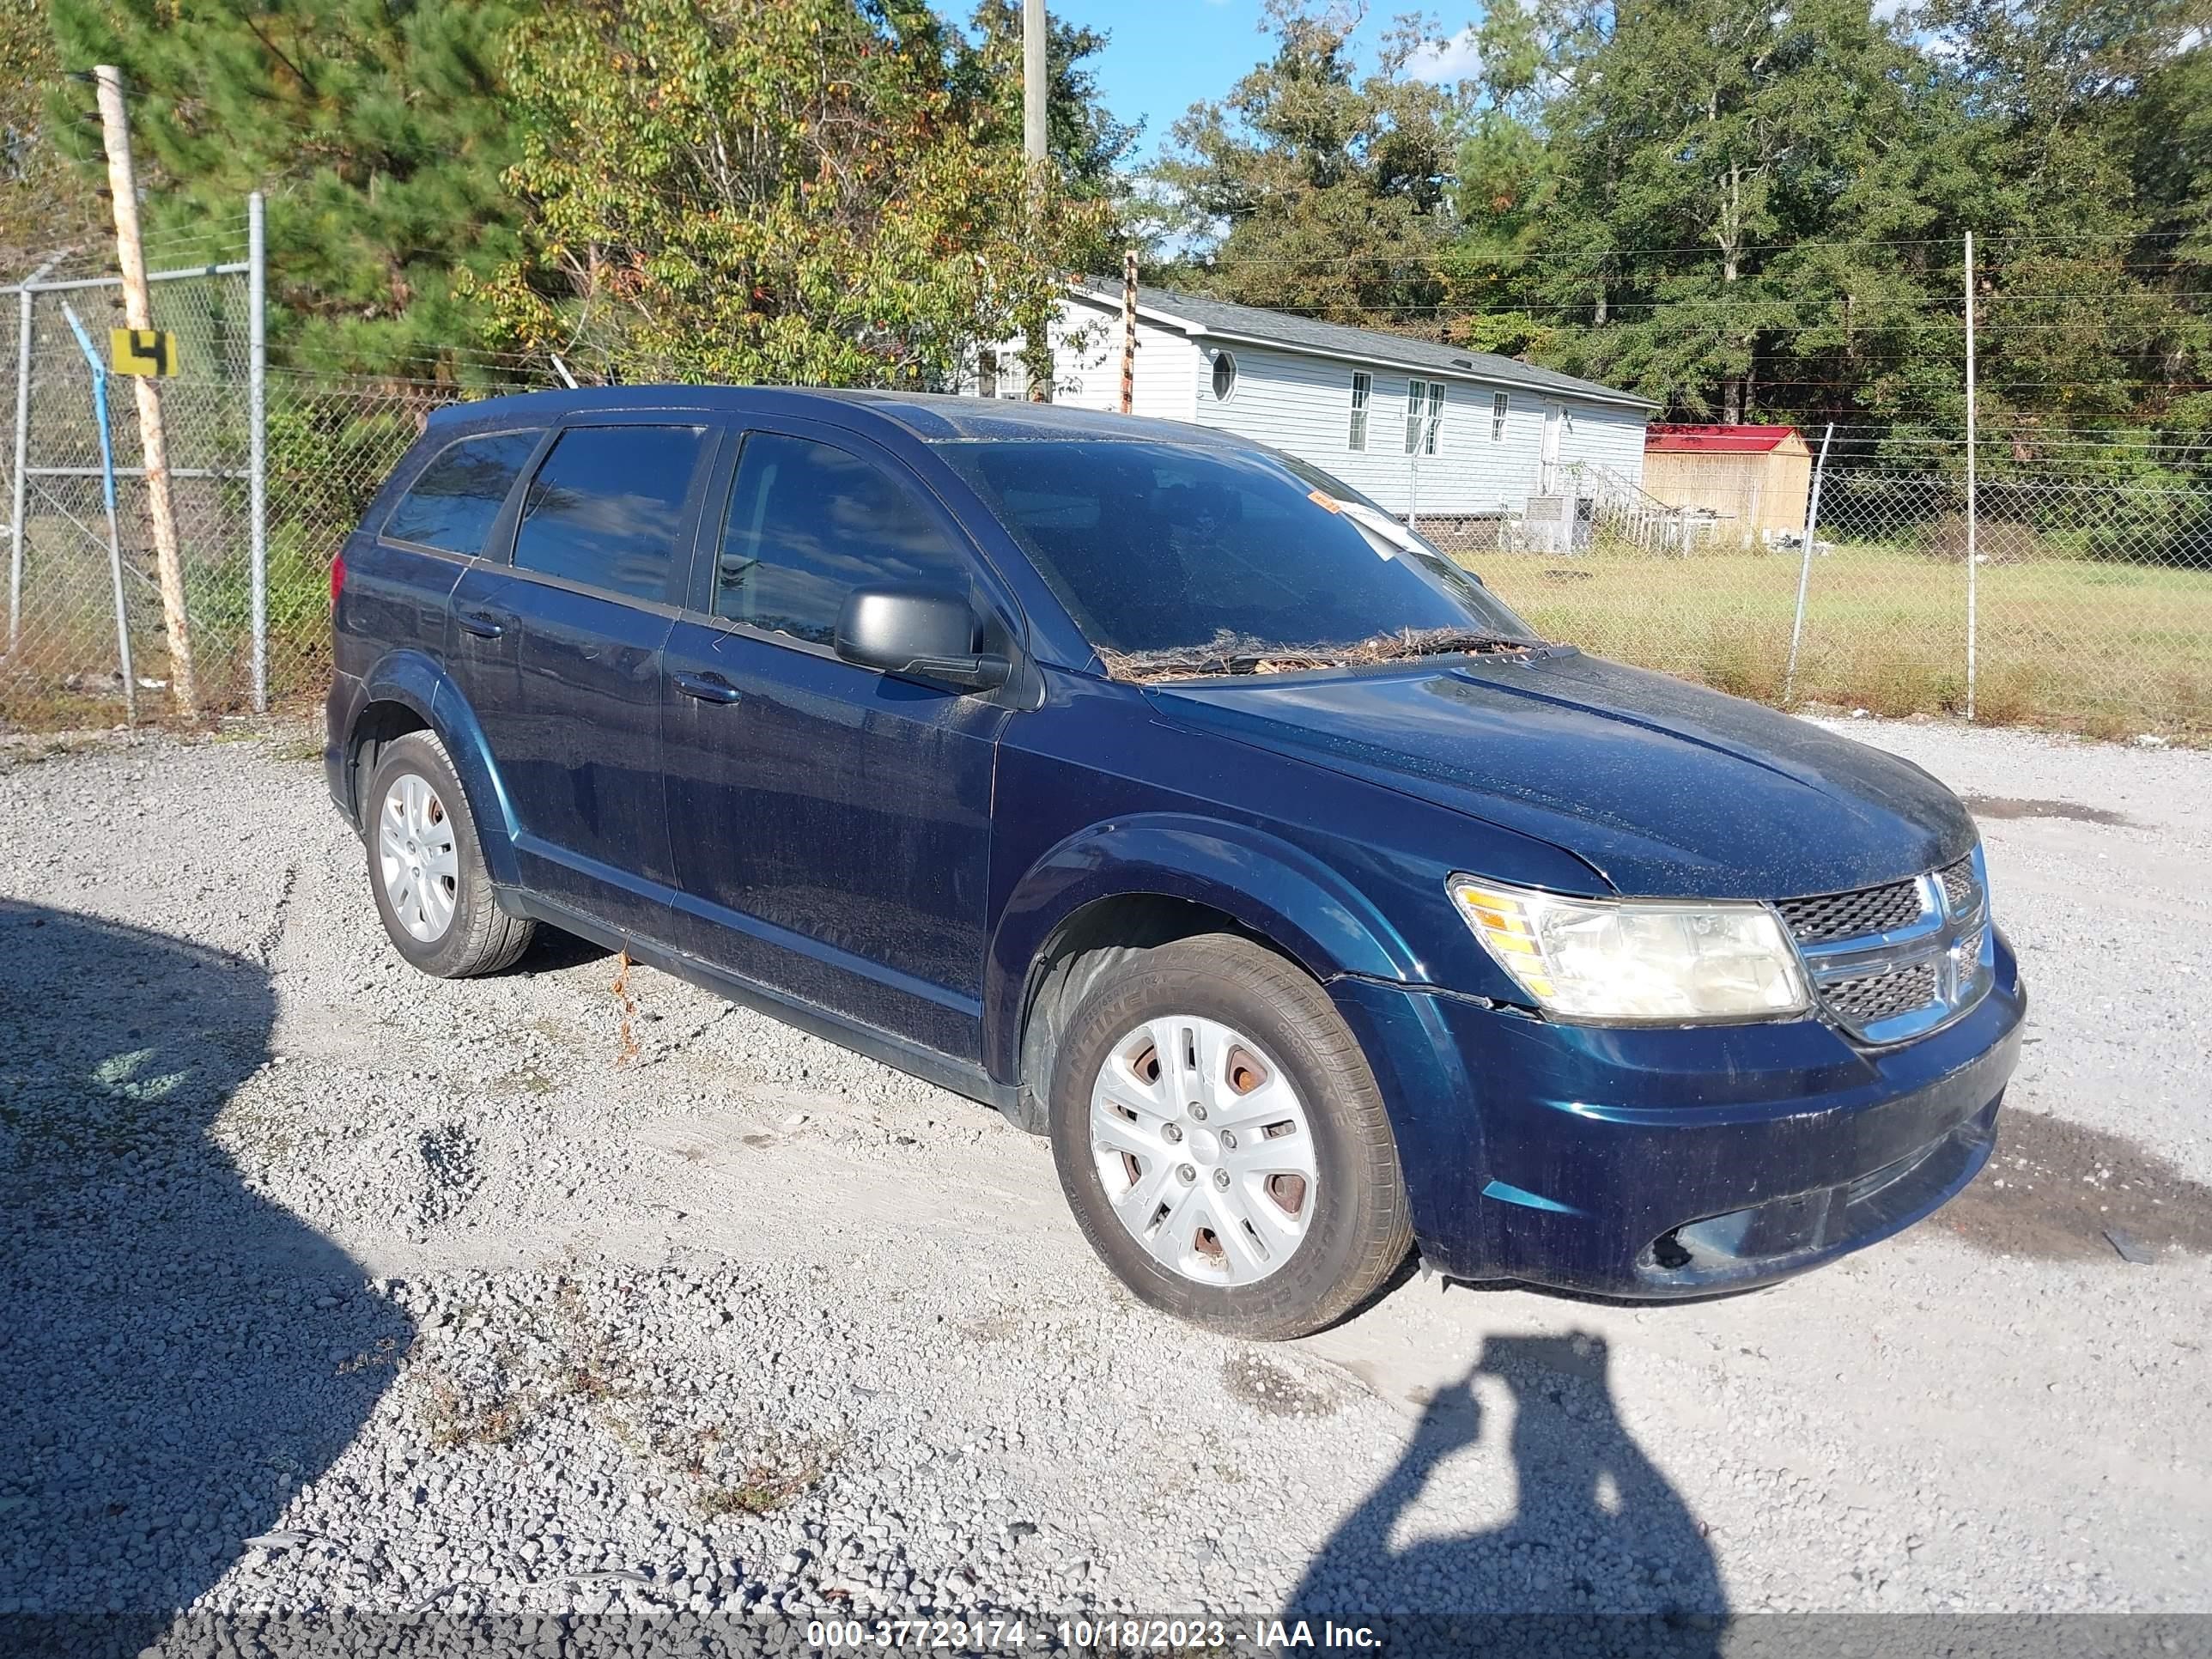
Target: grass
x=2091, y=645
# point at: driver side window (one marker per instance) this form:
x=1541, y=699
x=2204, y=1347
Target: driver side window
x=807, y=523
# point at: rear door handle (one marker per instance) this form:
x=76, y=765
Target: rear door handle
x=707, y=687
x=482, y=624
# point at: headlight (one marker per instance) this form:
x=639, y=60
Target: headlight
x=1643, y=961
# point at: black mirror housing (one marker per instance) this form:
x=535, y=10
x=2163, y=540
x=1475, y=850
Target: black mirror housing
x=919, y=633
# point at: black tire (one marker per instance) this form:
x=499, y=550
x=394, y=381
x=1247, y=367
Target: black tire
x=1358, y=1234
x=481, y=937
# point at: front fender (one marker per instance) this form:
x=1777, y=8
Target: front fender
x=417, y=681
x=1276, y=889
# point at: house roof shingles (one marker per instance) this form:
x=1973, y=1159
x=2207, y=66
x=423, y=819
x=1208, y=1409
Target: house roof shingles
x=1261, y=327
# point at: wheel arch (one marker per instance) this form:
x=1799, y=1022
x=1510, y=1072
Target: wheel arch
x=1142, y=882
x=408, y=691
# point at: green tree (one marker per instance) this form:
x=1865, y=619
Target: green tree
x=47, y=205
x=788, y=192
x=1313, y=187
x=2091, y=146
x=1087, y=142
x=379, y=128
x=1507, y=174
x=1720, y=170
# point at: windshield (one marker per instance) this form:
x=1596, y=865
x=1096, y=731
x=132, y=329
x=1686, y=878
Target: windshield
x=1178, y=560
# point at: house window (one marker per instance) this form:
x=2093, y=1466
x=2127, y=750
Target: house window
x=1225, y=376
x=986, y=372
x=1362, y=384
x=1435, y=415
x=1499, y=402
x=1416, y=392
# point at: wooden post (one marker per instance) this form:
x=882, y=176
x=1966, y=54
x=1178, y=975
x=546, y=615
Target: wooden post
x=137, y=312
x=1128, y=331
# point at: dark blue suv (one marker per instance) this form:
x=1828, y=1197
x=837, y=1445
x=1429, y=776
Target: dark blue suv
x=1167, y=795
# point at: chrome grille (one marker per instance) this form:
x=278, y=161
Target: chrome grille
x=1867, y=998
x=1960, y=890
x=1892, y=962
x=1831, y=916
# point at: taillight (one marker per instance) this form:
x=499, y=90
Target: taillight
x=337, y=578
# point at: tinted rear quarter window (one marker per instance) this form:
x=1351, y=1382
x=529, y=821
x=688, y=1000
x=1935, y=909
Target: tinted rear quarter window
x=808, y=523
x=607, y=507
x=455, y=502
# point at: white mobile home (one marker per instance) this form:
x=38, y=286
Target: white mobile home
x=1446, y=433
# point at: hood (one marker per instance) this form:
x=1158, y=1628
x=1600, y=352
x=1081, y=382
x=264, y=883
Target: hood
x=1666, y=787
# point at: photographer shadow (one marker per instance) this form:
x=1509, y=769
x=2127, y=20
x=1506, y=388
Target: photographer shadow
x=1599, y=1541
x=179, y=1355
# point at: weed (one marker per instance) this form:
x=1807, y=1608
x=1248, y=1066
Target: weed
x=776, y=1472
x=454, y=1417
x=626, y=1045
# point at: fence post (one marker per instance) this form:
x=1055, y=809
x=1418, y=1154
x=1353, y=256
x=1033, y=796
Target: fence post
x=257, y=428
x=20, y=488
x=107, y=492
x=1971, y=562
x=1805, y=570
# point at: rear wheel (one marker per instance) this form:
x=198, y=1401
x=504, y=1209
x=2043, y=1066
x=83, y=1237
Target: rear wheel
x=426, y=869
x=1222, y=1142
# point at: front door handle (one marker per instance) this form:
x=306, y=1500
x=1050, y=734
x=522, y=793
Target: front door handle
x=707, y=687
x=481, y=623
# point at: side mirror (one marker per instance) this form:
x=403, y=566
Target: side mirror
x=921, y=633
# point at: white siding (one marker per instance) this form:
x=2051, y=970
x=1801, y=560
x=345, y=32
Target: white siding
x=1086, y=364
x=1302, y=405
x=1611, y=438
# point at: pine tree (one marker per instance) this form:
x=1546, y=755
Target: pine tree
x=379, y=129
x=1708, y=158
x=47, y=205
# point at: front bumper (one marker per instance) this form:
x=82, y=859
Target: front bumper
x=1667, y=1163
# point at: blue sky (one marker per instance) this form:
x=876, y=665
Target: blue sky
x=1166, y=55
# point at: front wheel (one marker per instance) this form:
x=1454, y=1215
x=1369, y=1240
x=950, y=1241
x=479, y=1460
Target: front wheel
x=1222, y=1142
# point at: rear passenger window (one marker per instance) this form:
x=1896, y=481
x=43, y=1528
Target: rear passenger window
x=607, y=506
x=807, y=525
x=452, y=504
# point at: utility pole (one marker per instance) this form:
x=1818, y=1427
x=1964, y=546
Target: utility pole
x=137, y=313
x=1971, y=503
x=1128, y=331
x=1035, y=72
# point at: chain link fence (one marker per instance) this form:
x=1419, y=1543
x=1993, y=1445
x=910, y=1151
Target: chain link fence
x=65, y=641
x=2089, y=591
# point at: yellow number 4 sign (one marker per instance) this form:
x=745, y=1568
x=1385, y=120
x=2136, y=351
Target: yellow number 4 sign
x=141, y=351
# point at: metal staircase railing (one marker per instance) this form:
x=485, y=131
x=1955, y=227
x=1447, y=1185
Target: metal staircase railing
x=1624, y=508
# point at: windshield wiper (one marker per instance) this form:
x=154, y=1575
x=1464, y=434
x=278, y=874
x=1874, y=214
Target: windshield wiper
x=1244, y=654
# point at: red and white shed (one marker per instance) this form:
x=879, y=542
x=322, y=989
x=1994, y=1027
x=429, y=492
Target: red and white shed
x=1755, y=476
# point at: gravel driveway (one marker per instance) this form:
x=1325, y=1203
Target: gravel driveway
x=332, y=1286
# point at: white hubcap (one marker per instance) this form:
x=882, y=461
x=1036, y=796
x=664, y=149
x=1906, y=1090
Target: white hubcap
x=1204, y=1150
x=416, y=856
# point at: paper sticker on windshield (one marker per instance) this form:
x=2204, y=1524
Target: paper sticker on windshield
x=1322, y=498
